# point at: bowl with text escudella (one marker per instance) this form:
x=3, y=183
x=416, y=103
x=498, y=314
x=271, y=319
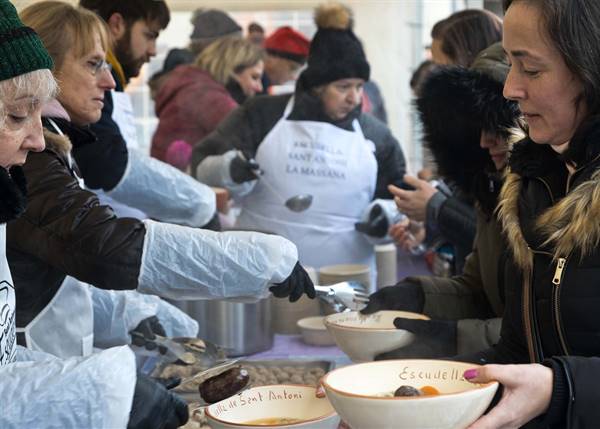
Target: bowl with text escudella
x=362, y=337
x=275, y=406
x=415, y=393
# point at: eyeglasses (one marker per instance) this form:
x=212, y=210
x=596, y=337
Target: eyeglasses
x=97, y=66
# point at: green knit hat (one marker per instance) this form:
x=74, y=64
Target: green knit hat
x=21, y=50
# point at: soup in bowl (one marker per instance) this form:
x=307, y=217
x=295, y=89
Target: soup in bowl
x=362, y=337
x=275, y=406
x=433, y=394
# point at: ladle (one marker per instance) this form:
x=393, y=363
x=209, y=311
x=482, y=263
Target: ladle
x=297, y=203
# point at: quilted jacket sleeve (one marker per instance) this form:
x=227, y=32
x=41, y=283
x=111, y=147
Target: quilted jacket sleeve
x=66, y=227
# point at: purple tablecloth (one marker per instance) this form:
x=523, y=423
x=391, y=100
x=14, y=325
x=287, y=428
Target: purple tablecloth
x=292, y=346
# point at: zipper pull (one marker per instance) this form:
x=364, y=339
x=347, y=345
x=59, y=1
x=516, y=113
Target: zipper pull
x=558, y=273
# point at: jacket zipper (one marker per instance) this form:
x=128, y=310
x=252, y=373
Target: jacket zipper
x=528, y=322
x=556, y=281
x=527, y=316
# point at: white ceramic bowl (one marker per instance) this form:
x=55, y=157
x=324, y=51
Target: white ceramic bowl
x=242, y=411
x=362, y=337
x=353, y=391
x=314, y=332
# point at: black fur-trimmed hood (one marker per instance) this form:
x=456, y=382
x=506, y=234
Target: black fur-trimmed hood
x=13, y=193
x=455, y=105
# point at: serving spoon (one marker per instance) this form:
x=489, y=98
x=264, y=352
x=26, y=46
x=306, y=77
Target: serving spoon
x=297, y=203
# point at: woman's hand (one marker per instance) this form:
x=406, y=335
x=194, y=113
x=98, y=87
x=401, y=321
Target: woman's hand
x=407, y=235
x=413, y=203
x=527, y=393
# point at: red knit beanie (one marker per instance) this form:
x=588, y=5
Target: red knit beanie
x=288, y=43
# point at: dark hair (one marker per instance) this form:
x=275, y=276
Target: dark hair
x=131, y=10
x=573, y=27
x=255, y=27
x=420, y=74
x=466, y=33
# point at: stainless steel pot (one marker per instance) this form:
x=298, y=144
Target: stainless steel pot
x=240, y=328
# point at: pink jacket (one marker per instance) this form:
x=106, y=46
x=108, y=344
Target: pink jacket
x=189, y=106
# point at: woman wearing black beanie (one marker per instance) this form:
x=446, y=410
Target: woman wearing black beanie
x=315, y=142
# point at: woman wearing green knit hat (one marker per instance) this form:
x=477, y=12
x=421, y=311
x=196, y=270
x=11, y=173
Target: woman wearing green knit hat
x=37, y=389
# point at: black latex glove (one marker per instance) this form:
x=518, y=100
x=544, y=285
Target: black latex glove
x=295, y=285
x=377, y=225
x=404, y=296
x=433, y=339
x=154, y=407
x=144, y=334
x=168, y=382
x=242, y=170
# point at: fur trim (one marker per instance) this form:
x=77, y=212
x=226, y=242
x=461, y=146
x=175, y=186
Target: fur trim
x=455, y=105
x=565, y=235
x=57, y=143
x=508, y=213
x=556, y=224
x=13, y=193
x=334, y=16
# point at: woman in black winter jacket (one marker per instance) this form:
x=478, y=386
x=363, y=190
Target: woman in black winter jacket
x=549, y=209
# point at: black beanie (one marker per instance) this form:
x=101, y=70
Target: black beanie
x=335, y=51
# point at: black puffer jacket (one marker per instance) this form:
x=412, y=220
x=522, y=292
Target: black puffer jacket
x=247, y=126
x=552, y=294
x=64, y=231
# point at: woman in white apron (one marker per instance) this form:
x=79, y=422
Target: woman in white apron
x=316, y=142
x=38, y=390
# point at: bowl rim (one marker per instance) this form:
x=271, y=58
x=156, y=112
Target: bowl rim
x=326, y=385
x=311, y=328
x=352, y=269
x=316, y=419
x=327, y=322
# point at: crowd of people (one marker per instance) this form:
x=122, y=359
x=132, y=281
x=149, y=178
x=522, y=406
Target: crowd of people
x=94, y=233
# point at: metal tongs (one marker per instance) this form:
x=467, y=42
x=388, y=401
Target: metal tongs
x=211, y=372
x=344, y=296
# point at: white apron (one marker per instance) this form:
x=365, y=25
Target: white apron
x=338, y=167
x=8, y=338
x=123, y=116
x=65, y=327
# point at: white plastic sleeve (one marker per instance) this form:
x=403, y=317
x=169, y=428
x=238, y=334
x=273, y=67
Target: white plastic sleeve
x=92, y=392
x=214, y=171
x=185, y=263
x=163, y=192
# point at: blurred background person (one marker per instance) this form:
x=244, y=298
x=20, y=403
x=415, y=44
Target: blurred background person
x=209, y=26
x=256, y=33
x=457, y=39
x=196, y=98
x=287, y=51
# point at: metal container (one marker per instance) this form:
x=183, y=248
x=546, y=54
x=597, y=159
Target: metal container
x=239, y=328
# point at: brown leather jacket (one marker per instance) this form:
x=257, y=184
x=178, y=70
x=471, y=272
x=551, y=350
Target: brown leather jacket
x=65, y=231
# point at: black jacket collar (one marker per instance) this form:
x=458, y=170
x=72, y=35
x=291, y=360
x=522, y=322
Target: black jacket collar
x=308, y=107
x=13, y=193
x=77, y=135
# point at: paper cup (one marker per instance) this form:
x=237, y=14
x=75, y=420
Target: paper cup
x=387, y=267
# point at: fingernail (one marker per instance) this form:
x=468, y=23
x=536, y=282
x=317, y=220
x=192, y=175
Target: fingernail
x=470, y=373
